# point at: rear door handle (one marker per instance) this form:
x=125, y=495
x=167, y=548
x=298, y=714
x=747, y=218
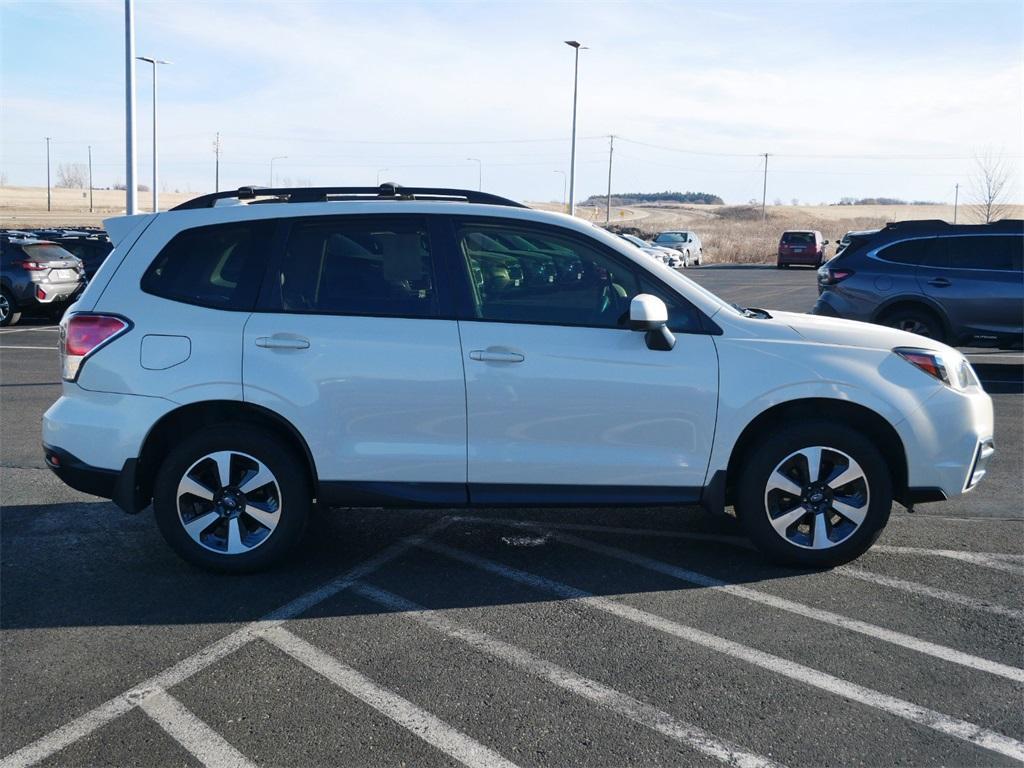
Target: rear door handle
x=496, y=356
x=940, y=282
x=282, y=342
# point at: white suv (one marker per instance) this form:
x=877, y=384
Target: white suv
x=419, y=347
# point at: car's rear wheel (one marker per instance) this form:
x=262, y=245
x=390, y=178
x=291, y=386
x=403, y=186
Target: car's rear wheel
x=8, y=314
x=917, y=320
x=231, y=498
x=816, y=494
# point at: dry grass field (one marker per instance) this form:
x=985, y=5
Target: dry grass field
x=731, y=234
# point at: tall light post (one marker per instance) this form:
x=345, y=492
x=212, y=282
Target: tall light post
x=956, y=200
x=156, y=180
x=277, y=157
x=47, y=173
x=131, y=205
x=563, y=186
x=576, y=45
x=479, y=172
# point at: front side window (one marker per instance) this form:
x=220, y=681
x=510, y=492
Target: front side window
x=373, y=266
x=220, y=266
x=559, y=281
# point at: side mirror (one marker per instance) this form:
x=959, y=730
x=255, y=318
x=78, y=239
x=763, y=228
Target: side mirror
x=649, y=313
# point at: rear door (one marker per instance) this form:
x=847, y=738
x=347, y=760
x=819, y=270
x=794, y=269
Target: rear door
x=565, y=403
x=354, y=344
x=979, y=281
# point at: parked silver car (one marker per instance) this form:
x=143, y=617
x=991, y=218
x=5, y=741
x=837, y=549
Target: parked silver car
x=686, y=242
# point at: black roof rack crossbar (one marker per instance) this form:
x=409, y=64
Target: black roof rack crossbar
x=322, y=194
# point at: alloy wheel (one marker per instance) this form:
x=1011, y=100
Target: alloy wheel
x=229, y=502
x=5, y=308
x=817, y=497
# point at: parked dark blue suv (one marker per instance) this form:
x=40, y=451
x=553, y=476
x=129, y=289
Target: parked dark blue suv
x=959, y=284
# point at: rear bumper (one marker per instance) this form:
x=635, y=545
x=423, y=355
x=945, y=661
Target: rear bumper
x=806, y=259
x=117, y=485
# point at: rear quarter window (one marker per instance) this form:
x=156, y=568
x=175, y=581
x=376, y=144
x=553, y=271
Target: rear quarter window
x=912, y=252
x=219, y=266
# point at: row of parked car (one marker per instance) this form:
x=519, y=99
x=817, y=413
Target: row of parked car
x=43, y=271
x=676, y=248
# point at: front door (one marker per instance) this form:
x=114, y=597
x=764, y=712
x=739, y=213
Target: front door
x=349, y=346
x=565, y=404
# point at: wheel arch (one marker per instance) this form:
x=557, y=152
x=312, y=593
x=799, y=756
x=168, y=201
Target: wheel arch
x=876, y=427
x=917, y=301
x=194, y=416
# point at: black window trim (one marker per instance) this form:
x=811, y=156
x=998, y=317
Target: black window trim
x=463, y=292
x=266, y=304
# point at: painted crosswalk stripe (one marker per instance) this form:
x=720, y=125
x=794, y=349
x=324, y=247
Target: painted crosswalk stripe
x=592, y=690
x=423, y=724
x=906, y=710
x=202, y=742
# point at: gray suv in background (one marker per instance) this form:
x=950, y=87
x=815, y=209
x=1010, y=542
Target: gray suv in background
x=959, y=284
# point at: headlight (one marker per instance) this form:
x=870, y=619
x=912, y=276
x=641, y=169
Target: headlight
x=953, y=370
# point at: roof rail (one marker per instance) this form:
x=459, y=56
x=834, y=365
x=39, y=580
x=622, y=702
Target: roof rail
x=323, y=194
x=1010, y=225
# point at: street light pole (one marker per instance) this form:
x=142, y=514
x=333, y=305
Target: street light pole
x=480, y=172
x=764, y=189
x=90, y=179
x=278, y=157
x=131, y=159
x=563, y=187
x=47, y=173
x=956, y=200
x=576, y=45
x=608, y=200
x=156, y=192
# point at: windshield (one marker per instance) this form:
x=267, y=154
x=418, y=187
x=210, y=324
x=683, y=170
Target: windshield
x=670, y=237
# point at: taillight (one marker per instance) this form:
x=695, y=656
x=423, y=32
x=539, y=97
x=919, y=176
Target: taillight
x=33, y=266
x=40, y=293
x=81, y=335
x=833, y=276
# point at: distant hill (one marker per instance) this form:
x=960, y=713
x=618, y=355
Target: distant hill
x=881, y=201
x=635, y=198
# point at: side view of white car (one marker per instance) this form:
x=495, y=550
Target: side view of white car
x=236, y=363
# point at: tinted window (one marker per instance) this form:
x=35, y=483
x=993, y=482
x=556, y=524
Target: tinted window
x=371, y=266
x=907, y=252
x=562, y=281
x=983, y=252
x=220, y=266
x=670, y=237
x=46, y=252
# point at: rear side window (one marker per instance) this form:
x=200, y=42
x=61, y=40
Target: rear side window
x=220, y=266
x=915, y=252
x=999, y=252
x=380, y=266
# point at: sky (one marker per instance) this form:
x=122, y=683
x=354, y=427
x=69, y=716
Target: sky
x=850, y=99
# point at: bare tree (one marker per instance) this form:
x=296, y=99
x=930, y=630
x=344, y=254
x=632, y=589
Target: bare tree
x=72, y=175
x=991, y=179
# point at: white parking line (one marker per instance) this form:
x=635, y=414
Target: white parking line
x=926, y=591
x=912, y=587
x=423, y=724
x=598, y=693
x=906, y=710
x=993, y=560
x=809, y=612
x=203, y=743
x=8, y=331
x=23, y=346
x=85, y=724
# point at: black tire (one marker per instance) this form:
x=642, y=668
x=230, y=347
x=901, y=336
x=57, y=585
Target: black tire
x=8, y=310
x=293, y=492
x=753, y=497
x=919, y=320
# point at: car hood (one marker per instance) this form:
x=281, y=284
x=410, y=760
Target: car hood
x=851, y=333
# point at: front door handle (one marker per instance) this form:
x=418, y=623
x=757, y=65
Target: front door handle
x=282, y=342
x=940, y=282
x=496, y=356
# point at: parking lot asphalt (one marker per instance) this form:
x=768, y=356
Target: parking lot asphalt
x=515, y=637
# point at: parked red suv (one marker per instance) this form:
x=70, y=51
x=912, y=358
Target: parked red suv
x=801, y=246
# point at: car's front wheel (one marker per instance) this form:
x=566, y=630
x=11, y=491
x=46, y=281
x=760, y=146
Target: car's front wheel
x=816, y=494
x=915, y=320
x=232, y=498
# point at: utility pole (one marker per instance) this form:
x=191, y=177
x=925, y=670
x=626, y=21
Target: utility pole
x=956, y=200
x=90, y=179
x=216, y=166
x=764, y=189
x=131, y=159
x=47, y=173
x=572, y=156
x=608, y=200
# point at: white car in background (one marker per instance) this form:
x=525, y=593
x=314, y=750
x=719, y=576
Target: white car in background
x=664, y=255
x=685, y=242
x=370, y=347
